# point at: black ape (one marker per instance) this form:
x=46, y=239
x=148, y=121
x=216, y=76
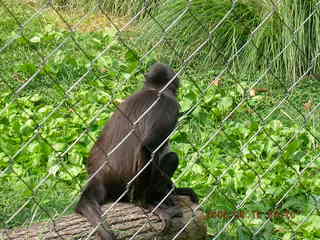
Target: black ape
x=111, y=174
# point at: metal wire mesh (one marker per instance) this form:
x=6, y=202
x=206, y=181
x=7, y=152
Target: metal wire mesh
x=248, y=138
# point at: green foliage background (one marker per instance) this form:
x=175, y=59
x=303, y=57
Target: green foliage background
x=259, y=151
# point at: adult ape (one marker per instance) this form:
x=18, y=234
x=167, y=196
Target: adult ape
x=130, y=145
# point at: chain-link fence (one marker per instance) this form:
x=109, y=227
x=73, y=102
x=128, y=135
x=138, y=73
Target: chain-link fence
x=247, y=136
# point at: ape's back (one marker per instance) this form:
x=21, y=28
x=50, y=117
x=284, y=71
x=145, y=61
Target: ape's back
x=127, y=155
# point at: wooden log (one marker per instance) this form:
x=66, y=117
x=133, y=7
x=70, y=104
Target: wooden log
x=125, y=219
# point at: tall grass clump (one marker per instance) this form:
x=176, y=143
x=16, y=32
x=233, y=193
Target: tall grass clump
x=290, y=28
x=184, y=25
x=289, y=41
x=130, y=7
x=114, y=7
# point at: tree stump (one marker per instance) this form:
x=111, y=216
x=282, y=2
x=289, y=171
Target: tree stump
x=126, y=220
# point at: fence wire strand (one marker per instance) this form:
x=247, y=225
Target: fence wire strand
x=242, y=151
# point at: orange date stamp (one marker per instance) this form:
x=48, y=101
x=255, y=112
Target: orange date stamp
x=237, y=214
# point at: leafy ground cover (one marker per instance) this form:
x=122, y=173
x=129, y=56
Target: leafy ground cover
x=230, y=149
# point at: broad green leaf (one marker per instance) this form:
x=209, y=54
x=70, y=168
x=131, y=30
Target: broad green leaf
x=35, y=39
x=34, y=147
x=36, y=98
x=225, y=103
x=186, y=104
x=59, y=147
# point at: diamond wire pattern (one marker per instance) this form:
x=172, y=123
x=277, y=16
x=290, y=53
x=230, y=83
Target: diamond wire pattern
x=213, y=136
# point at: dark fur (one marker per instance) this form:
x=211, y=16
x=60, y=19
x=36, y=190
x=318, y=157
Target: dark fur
x=125, y=162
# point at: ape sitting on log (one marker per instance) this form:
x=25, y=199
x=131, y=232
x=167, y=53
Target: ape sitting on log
x=129, y=152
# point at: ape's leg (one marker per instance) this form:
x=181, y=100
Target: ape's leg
x=89, y=206
x=168, y=164
x=162, y=185
x=163, y=169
